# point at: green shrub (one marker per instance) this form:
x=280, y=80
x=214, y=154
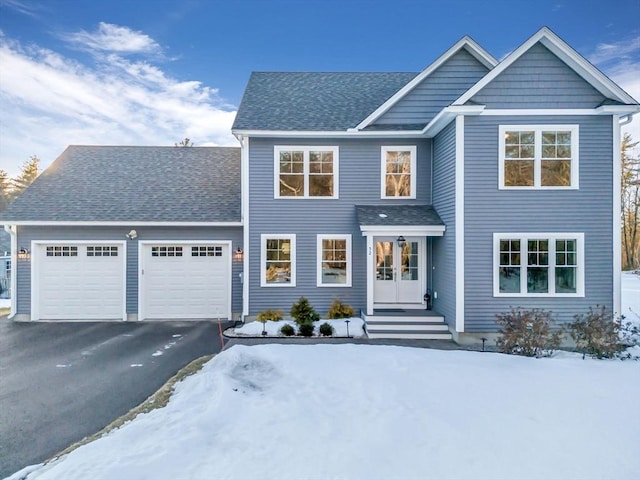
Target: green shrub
x=269, y=315
x=596, y=334
x=287, y=330
x=527, y=332
x=340, y=310
x=302, y=312
x=305, y=329
x=326, y=330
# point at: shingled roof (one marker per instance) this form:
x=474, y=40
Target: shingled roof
x=398, y=215
x=143, y=184
x=314, y=101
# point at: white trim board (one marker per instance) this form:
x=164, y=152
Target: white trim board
x=459, y=216
x=617, y=220
x=128, y=223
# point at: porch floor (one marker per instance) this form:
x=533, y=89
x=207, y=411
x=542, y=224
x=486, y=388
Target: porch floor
x=404, y=312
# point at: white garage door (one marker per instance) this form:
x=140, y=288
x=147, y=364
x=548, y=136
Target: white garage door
x=185, y=281
x=79, y=281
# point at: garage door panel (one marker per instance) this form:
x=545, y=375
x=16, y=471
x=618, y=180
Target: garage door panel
x=80, y=286
x=193, y=285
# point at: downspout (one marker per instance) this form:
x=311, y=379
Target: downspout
x=12, y=231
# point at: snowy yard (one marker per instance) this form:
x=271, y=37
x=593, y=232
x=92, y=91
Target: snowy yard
x=380, y=412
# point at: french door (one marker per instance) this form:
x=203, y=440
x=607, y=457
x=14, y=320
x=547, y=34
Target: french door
x=399, y=271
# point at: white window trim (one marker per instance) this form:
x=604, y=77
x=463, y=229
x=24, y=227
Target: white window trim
x=263, y=259
x=537, y=129
x=383, y=170
x=320, y=238
x=552, y=237
x=306, y=150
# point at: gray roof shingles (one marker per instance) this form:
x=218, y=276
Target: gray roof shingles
x=314, y=101
x=397, y=215
x=145, y=184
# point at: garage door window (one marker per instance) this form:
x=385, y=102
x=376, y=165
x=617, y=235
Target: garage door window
x=166, y=251
x=62, y=251
x=206, y=251
x=102, y=251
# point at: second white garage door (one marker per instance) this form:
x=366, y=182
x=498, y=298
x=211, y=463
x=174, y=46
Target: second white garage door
x=185, y=281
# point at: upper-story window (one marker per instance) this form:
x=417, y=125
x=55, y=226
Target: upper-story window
x=538, y=156
x=398, y=172
x=306, y=172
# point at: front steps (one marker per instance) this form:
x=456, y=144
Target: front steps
x=416, y=324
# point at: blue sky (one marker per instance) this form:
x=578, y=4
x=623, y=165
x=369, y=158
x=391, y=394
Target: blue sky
x=156, y=71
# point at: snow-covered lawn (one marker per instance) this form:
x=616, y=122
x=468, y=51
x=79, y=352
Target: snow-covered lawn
x=379, y=412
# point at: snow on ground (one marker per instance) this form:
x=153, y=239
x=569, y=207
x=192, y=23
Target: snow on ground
x=5, y=303
x=379, y=412
x=356, y=327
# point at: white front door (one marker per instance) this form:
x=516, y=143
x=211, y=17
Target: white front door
x=399, y=271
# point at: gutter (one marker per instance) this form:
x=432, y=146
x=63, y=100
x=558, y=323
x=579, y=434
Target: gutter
x=12, y=231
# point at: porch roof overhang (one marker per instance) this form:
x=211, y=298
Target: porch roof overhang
x=419, y=220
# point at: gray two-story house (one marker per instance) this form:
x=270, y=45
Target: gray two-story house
x=428, y=201
x=470, y=187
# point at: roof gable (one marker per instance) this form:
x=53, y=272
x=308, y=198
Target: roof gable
x=466, y=43
x=436, y=91
x=136, y=184
x=600, y=82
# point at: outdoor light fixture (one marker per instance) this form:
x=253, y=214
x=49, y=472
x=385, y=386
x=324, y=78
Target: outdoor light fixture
x=23, y=254
x=238, y=255
x=132, y=235
x=401, y=241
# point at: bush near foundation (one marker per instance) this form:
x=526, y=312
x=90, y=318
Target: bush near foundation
x=326, y=330
x=305, y=329
x=287, y=330
x=596, y=333
x=527, y=332
x=340, y=310
x=269, y=315
x=302, y=312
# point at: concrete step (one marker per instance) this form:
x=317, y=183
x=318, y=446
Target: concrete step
x=409, y=335
x=377, y=325
x=404, y=318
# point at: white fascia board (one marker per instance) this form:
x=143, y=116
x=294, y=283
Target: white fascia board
x=618, y=109
x=617, y=220
x=446, y=116
x=420, y=230
x=466, y=42
x=129, y=223
x=330, y=134
x=562, y=50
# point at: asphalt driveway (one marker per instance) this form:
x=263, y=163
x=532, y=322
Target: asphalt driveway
x=60, y=382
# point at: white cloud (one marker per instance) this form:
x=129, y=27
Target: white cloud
x=605, y=52
x=48, y=101
x=25, y=8
x=114, y=38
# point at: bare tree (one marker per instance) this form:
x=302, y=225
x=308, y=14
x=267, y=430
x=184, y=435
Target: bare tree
x=184, y=143
x=630, y=200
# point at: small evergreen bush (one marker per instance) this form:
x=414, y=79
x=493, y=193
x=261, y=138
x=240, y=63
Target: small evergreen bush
x=340, y=310
x=326, y=330
x=287, y=330
x=305, y=329
x=302, y=312
x=597, y=334
x=269, y=315
x=527, y=332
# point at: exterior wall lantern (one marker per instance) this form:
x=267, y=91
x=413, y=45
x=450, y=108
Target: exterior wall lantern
x=132, y=235
x=24, y=254
x=238, y=255
x=401, y=241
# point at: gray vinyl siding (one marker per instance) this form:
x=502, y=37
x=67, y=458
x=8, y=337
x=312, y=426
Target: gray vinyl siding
x=359, y=184
x=27, y=234
x=437, y=91
x=444, y=248
x=488, y=210
x=538, y=79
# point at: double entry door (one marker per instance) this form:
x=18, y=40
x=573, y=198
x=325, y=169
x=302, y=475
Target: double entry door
x=399, y=271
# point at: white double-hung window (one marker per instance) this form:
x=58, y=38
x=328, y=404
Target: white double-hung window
x=538, y=264
x=278, y=260
x=538, y=156
x=398, y=172
x=305, y=172
x=334, y=261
